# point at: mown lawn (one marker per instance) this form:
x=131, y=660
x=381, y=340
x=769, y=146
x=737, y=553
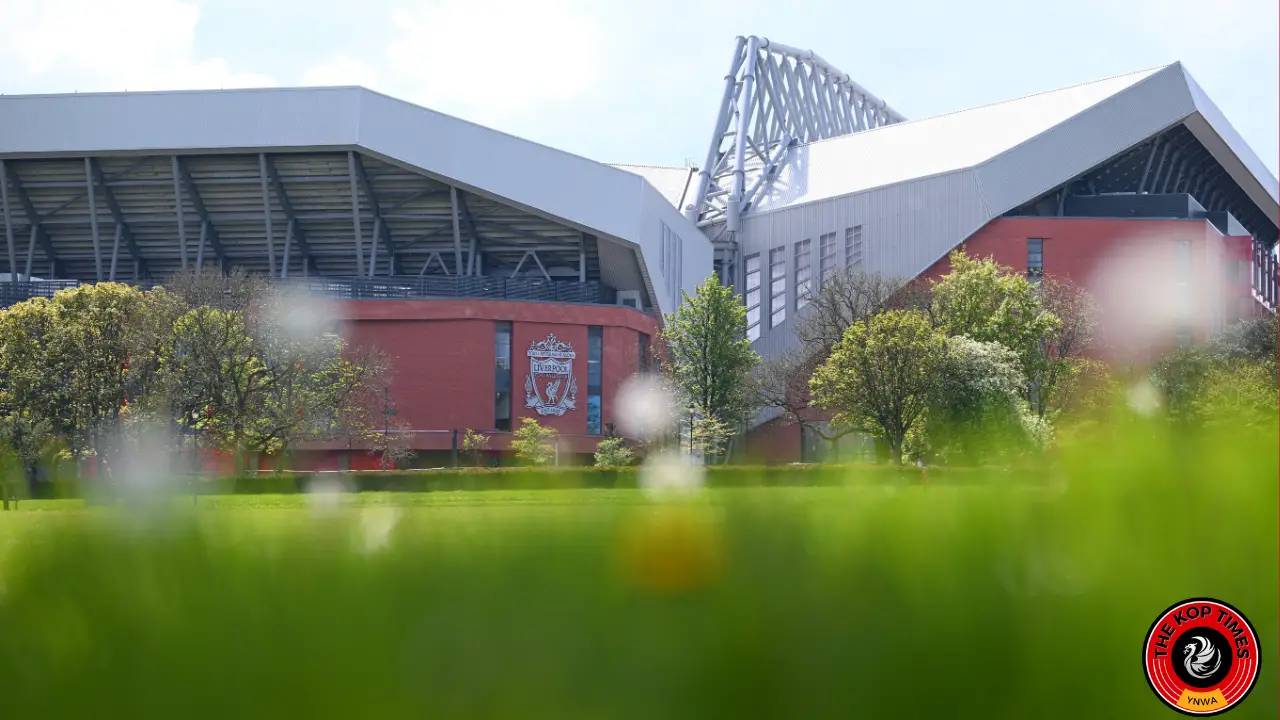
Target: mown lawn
x=928, y=601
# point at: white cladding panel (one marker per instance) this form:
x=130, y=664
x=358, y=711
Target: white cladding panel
x=676, y=184
x=905, y=228
x=921, y=148
x=1085, y=140
x=116, y=123
x=541, y=179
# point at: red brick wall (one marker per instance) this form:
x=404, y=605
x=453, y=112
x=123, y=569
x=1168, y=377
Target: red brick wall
x=773, y=442
x=1098, y=253
x=442, y=359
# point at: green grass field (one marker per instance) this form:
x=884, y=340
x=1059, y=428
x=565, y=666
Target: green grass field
x=877, y=601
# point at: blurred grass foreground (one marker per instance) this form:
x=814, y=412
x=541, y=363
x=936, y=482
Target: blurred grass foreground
x=874, y=599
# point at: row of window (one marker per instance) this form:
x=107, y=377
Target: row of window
x=595, y=375
x=802, y=260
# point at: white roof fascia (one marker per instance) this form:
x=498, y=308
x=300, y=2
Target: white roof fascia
x=566, y=188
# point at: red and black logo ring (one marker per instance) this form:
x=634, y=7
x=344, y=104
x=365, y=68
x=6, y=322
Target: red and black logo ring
x=1201, y=657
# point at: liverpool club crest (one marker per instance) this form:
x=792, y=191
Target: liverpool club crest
x=550, y=388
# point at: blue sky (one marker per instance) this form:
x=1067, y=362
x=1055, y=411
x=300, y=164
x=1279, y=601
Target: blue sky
x=633, y=81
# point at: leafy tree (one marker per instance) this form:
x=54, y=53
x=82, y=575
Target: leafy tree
x=475, y=445
x=709, y=436
x=1234, y=373
x=534, y=444
x=977, y=411
x=881, y=376
x=1235, y=395
x=1253, y=339
x=613, y=452
x=991, y=303
x=28, y=442
x=216, y=381
x=90, y=344
x=1062, y=348
x=710, y=358
x=845, y=297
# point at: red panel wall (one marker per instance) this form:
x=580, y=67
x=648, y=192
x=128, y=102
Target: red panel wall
x=442, y=360
x=1099, y=253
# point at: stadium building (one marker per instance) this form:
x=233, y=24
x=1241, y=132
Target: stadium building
x=507, y=279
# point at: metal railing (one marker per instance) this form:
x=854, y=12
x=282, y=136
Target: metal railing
x=391, y=288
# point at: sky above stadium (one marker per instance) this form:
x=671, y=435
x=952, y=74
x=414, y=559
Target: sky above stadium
x=639, y=82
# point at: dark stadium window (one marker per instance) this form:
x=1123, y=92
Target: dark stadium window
x=643, y=363
x=595, y=352
x=1035, y=259
x=752, y=297
x=777, y=286
x=502, y=376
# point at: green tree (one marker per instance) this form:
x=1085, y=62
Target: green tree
x=613, y=452
x=710, y=358
x=991, y=303
x=475, y=445
x=215, y=379
x=881, y=376
x=709, y=436
x=73, y=361
x=977, y=411
x=1241, y=394
x=534, y=444
x=1062, y=347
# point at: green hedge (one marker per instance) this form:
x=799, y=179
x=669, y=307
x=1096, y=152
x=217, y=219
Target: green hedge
x=592, y=477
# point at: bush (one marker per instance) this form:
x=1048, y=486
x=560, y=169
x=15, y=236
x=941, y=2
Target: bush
x=613, y=452
x=534, y=444
x=602, y=477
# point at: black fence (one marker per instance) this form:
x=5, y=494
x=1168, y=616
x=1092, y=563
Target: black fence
x=393, y=288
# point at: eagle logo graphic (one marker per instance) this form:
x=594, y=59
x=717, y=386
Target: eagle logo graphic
x=1201, y=658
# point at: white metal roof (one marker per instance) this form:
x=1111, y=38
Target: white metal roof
x=610, y=203
x=674, y=182
x=986, y=139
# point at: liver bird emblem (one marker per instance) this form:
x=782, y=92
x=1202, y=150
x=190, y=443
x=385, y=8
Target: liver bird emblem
x=1200, y=658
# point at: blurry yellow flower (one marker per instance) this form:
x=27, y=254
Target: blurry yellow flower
x=672, y=548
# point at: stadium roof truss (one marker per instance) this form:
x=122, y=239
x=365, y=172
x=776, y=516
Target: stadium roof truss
x=321, y=214
x=336, y=183
x=775, y=97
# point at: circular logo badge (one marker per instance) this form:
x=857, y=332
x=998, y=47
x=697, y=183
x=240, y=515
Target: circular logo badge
x=1201, y=657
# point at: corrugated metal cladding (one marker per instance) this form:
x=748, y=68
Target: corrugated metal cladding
x=620, y=268
x=905, y=228
x=1085, y=140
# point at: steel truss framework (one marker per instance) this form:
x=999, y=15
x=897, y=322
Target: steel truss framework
x=775, y=97
x=287, y=214
x=1173, y=161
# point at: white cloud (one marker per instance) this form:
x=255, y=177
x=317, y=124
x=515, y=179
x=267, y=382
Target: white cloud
x=486, y=60
x=91, y=45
